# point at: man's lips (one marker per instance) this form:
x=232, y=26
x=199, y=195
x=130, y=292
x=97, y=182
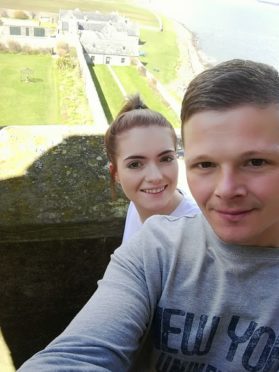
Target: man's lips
x=233, y=215
x=233, y=212
x=154, y=190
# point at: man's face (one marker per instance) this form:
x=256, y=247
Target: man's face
x=232, y=164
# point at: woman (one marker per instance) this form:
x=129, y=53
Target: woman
x=141, y=147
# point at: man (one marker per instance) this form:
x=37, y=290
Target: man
x=197, y=293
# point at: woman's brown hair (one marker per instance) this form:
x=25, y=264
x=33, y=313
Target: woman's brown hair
x=133, y=114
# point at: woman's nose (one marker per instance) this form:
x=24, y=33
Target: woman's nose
x=153, y=174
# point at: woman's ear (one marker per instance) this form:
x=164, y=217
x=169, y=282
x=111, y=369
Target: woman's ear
x=113, y=172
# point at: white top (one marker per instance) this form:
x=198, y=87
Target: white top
x=187, y=207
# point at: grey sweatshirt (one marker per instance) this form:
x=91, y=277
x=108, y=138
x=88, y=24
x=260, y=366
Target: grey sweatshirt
x=175, y=298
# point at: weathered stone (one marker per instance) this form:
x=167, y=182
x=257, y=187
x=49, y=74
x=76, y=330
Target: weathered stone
x=58, y=227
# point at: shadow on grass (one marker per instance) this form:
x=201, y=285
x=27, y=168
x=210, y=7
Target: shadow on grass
x=101, y=95
x=32, y=80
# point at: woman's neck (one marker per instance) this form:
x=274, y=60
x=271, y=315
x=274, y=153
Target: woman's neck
x=172, y=205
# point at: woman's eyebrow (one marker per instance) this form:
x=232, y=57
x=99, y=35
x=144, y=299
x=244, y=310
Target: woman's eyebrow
x=144, y=157
x=135, y=157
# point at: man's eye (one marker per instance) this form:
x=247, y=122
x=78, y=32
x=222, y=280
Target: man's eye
x=256, y=162
x=134, y=165
x=167, y=159
x=205, y=164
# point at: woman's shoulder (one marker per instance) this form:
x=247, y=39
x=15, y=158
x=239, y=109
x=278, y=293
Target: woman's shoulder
x=132, y=223
x=186, y=207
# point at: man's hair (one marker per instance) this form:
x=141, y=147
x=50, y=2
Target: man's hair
x=231, y=84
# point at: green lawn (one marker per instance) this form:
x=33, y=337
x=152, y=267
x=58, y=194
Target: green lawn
x=162, y=60
x=161, y=52
x=133, y=83
x=108, y=90
x=51, y=97
x=127, y=8
x=22, y=102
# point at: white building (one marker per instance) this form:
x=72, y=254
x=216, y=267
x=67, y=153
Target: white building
x=106, y=38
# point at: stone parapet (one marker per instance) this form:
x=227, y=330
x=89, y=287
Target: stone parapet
x=58, y=228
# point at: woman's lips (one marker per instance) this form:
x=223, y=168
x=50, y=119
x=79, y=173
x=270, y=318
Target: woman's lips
x=155, y=190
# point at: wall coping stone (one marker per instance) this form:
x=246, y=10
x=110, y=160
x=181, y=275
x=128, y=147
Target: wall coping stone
x=55, y=183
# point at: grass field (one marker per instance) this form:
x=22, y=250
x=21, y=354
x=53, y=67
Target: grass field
x=73, y=103
x=161, y=50
x=133, y=83
x=51, y=97
x=23, y=102
x=108, y=91
x=127, y=8
x=161, y=59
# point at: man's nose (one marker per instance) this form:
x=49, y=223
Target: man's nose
x=230, y=185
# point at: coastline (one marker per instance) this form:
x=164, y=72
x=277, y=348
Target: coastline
x=192, y=59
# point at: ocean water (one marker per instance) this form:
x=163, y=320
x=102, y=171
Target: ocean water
x=228, y=29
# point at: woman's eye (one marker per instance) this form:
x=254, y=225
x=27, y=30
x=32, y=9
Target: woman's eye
x=206, y=164
x=134, y=165
x=256, y=162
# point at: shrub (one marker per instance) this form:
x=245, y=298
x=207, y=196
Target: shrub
x=44, y=51
x=3, y=13
x=26, y=49
x=20, y=14
x=14, y=46
x=3, y=47
x=62, y=49
x=66, y=63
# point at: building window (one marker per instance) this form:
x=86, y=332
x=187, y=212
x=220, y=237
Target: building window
x=15, y=30
x=38, y=31
x=65, y=26
x=27, y=31
x=123, y=60
x=107, y=60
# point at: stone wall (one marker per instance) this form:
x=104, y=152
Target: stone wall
x=58, y=227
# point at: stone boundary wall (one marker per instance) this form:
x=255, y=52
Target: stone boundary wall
x=58, y=227
x=100, y=120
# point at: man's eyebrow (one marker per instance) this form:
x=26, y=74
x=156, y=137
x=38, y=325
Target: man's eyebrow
x=260, y=151
x=166, y=152
x=248, y=154
x=144, y=157
x=197, y=158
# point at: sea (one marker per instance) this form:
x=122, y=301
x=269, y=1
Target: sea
x=226, y=29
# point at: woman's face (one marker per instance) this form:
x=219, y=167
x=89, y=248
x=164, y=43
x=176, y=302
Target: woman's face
x=147, y=169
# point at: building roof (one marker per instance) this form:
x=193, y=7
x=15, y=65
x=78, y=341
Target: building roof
x=104, y=33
